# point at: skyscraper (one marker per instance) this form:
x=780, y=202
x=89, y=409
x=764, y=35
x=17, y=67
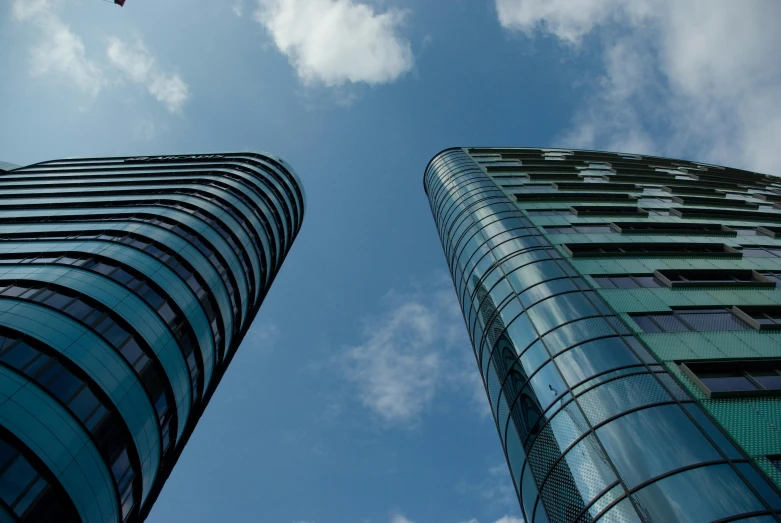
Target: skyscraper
x=626, y=320
x=126, y=286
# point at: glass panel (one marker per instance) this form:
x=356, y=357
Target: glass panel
x=768, y=379
x=726, y=381
x=647, y=281
x=669, y=323
x=7, y=453
x=84, y=403
x=30, y=496
x=640, y=443
x=701, y=494
x=65, y=385
x=624, y=282
x=645, y=324
x=57, y=301
x=604, y=282
x=548, y=385
x=759, y=482
x=78, y=309
x=594, y=357
x=15, y=479
x=715, y=321
x=19, y=356
x=712, y=431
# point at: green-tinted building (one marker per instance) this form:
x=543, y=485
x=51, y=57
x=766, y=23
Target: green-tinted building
x=126, y=286
x=625, y=313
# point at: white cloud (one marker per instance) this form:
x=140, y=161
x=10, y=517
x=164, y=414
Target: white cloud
x=261, y=336
x=410, y=353
x=697, y=79
x=59, y=50
x=509, y=519
x=398, y=518
x=238, y=8
x=334, y=42
x=139, y=66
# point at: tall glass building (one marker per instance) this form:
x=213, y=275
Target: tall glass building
x=625, y=314
x=126, y=286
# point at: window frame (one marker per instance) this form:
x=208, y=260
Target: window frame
x=742, y=366
x=753, y=279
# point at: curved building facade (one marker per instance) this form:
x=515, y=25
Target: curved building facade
x=557, y=258
x=126, y=286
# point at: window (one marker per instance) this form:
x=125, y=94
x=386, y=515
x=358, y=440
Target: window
x=724, y=214
x=760, y=317
x=713, y=278
x=626, y=281
x=547, y=212
x=586, y=228
x=672, y=228
x=691, y=320
x=724, y=378
x=714, y=202
x=598, y=196
x=654, y=249
x=608, y=210
x=761, y=251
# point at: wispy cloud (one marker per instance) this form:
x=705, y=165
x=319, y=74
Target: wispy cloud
x=59, y=50
x=138, y=65
x=62, y=53
x=410, y=353
x=495, y=487
x=238, y=8
x=335, y=42
x=693, y=79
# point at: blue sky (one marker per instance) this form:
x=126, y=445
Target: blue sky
x=355, y=397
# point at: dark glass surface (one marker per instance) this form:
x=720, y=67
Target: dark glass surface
x=770, y=380
x=594, y=357
x=699, y=495
x=726, y=381
x=639, y=443
x=646, y=324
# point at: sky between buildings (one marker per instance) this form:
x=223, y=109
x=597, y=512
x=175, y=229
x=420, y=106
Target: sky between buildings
x=355, y=396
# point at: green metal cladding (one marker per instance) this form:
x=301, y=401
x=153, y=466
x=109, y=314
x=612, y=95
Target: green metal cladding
x=126, y=287
x=556, y=255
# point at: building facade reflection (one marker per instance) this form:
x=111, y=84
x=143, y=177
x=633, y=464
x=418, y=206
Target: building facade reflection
x=593, y=424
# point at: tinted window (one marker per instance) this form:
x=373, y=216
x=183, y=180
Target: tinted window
x=640, y=443
x=700, y=494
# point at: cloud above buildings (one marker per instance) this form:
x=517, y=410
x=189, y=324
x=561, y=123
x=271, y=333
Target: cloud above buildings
x=410, y=353
x=60, y=52
x=338, y=42
x=138, y=65
x=690, y=79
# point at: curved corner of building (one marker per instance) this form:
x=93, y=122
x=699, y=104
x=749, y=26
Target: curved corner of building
x=434, y=158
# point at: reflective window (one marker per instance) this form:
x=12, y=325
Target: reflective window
x=111, y=436
x=639, y=443
x=701, y=494
x=594, y=357
x=116, y=332
x=25, y=491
